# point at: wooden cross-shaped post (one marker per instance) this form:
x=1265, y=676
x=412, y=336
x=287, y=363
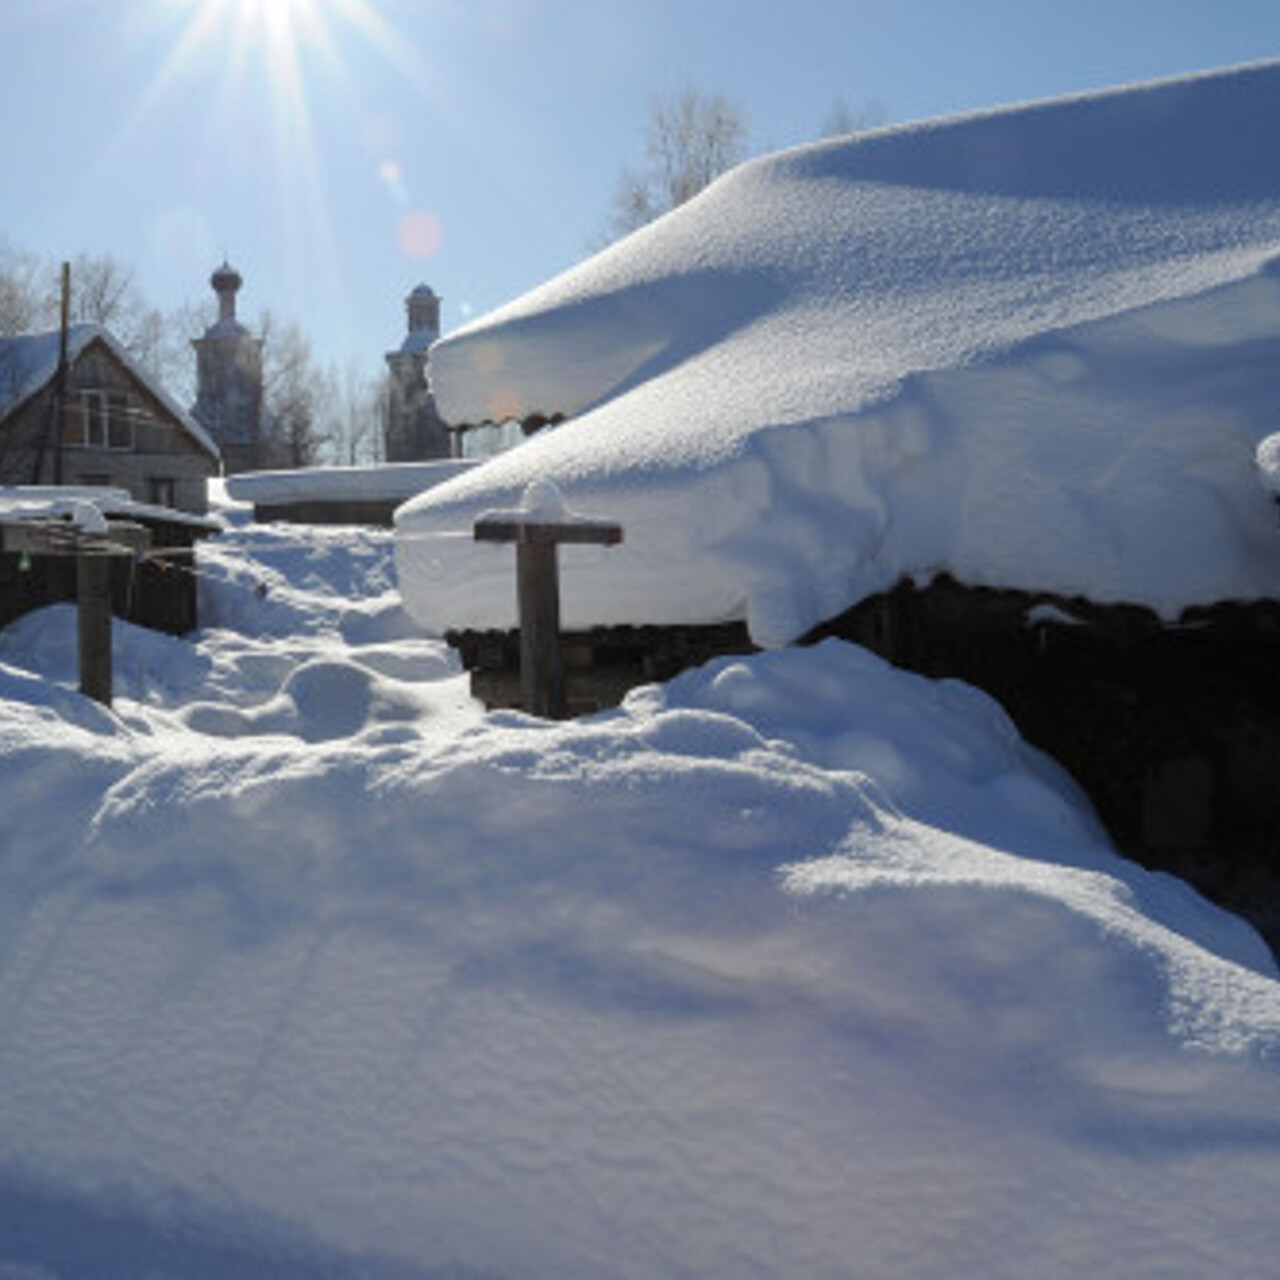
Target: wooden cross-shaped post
x=537, y=528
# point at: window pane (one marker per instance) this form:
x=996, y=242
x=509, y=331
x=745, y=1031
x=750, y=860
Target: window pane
x=94, y=412
x=120, y=427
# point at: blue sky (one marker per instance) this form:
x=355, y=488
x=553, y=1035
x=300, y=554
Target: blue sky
x=338, y=152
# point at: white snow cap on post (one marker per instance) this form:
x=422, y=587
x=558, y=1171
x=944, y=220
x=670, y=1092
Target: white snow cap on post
x=1268, y=462
x=541, y=503
x=543, y=500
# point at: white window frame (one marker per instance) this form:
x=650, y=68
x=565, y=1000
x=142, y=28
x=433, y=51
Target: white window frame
x=105, y=422
x=95, y=414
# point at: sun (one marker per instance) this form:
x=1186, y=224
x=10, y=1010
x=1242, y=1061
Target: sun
x=280, y=101
x=269, y=35
x=272, y=35
x=287, y=50
x=280, y=25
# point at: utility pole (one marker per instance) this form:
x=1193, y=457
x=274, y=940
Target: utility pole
x=60, y=379
x=51, y=437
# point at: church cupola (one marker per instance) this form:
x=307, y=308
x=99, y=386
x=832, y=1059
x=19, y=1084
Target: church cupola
x=423, y=307
x=230, y=402
x=414, y=429
x=226, y=282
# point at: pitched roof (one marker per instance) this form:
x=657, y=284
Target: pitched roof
x=29, y=361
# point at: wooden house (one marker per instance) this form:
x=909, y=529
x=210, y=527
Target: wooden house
x=98, y=429
x=100, y=421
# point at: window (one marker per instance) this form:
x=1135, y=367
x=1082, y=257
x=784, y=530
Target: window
x=161, y=491
x=105, y=422
x=93, y=420
x=119, y=423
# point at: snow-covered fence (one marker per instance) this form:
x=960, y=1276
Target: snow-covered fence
x=92, y=541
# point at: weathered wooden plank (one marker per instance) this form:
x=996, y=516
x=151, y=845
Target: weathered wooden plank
x=512, y=529
x=541, y=662
x=93, y=625
x=58, y=538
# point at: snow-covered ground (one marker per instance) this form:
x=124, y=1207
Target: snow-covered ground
x=1034, y=348
x=796, y=966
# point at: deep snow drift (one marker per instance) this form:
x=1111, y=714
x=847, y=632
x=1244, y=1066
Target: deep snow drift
x=796, y=966
x=1036, y=348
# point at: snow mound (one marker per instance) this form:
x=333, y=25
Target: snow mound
x=1034, y=348
x=309, y=966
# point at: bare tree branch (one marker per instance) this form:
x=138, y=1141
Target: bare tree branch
x=691, y=138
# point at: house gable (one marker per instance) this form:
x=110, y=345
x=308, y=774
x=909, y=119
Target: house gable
x=115, y=426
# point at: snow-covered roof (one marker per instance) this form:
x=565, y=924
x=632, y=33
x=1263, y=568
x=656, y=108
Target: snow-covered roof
x=28, y=362
x=383, y=482
x=1035, y=347
x=46, y=502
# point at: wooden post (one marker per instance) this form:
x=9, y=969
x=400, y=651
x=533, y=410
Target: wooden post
x=93, y=596
x=60, y=379
x=537, y=529
x=93, y=550
x=538, y=596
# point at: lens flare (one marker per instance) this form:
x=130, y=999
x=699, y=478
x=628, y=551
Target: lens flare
x=419, y=234
x=392, y=176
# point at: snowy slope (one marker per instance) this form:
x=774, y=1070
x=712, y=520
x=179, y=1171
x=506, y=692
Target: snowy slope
x=1036, y=347
x=796, y=966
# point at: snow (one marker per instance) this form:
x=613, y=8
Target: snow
x=1034, y=348
x=381, y=482
x=797, y=965
x=542, y=503
x=47, y=502
x=1268, y=460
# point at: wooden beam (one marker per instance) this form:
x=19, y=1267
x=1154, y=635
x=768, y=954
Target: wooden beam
x=60, y=538
x=510, y=528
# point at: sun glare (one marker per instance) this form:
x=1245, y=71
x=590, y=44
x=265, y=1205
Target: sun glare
x=266, y=80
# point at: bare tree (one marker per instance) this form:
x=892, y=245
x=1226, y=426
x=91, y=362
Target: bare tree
x=844, y=119
x=103, y=292
x=357, y=415
x=169, y=356
x=293, y=391
x=691, y=138
x=24, y=299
